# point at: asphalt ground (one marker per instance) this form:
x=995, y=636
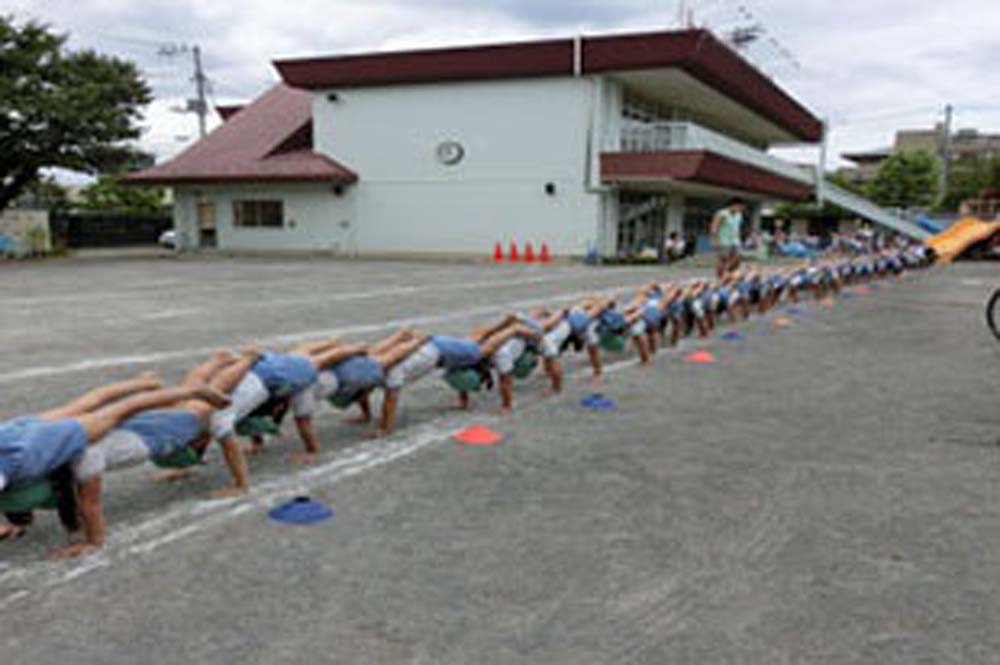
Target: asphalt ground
x=823, y=493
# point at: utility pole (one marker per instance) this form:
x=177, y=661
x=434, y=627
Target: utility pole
x=683, y=14
x=198, y=105
x=945, y=149
x=200, y=81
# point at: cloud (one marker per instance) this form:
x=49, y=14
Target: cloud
x=870, y=67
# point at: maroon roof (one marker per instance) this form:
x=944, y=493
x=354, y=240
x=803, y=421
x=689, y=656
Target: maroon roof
x=697, y=52
x=699, y=166
x=229, y=110
x=269, y=140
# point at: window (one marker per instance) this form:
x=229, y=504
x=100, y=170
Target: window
x=258, y=214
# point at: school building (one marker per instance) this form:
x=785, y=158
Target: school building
x=605, y=142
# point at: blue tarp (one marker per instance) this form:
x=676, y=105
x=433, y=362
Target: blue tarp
x=929, y=225
x=7, y=245
x=796, y=250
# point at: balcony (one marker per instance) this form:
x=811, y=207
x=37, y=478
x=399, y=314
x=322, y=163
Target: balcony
x=689, y=137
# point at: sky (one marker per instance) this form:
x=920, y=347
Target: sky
x=868, y=66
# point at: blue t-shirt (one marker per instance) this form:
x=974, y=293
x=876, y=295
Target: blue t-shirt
x=456, y=352
x=284, y=374
x=357, y=374
x=164, y=432
x=578, y=321
x=31, y=449
x=12, y=430
x=652, y=314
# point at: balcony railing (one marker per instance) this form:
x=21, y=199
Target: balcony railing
x=665, y=136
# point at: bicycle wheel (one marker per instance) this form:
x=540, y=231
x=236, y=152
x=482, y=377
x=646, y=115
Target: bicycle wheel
x=993, y=314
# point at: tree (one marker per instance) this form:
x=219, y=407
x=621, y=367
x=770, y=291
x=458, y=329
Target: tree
x=967, y=179
x=76, y=110
x=906, y=180
x=109, y=194
x=46, y=193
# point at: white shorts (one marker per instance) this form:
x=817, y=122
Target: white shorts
x=554, y=339
x=420, y=363
x=304, y=403
x=698, y=309
x=249, y=395
x=638, y=328
x=119, y=449
x=508, y=353
x=590, y=336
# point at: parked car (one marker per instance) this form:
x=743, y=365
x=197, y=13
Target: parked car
x=168, y=239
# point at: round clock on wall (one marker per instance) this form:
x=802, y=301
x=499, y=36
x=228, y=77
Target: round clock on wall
x=450, y=153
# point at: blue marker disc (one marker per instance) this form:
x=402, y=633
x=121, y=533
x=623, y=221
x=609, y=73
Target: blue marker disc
x=301, y=510
x=599, y=403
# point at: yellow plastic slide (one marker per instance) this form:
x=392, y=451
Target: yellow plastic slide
x=962, y=235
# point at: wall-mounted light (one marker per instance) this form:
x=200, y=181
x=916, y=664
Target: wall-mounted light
x=337, y=190
x=333, y=97
x=550, y=188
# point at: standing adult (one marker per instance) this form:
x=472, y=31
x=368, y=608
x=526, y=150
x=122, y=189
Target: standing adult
x=726, y=227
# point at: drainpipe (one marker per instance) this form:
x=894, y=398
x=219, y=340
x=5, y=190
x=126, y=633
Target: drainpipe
x=821, y=167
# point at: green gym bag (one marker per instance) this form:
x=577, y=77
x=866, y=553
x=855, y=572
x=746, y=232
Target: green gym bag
x=526, y=364
x=257, y=426
x=613, y=343
x=464, y=380
x=342, y=402
x=25, y=498
x=183, y=458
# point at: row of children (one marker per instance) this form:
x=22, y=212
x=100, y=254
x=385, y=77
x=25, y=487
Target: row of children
x=56, y=459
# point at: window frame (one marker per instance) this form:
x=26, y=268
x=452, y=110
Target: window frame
x=255, y=213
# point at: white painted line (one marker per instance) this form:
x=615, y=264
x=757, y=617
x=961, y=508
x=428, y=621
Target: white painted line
x=144, y=538
x=162, y=356
x=171, y=314
x=234, y=284
x=176, y=534
x=88, y=565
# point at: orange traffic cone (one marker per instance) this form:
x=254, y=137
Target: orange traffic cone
x=498, y=253
x=544, y=255
x=513, y=252
x=529, y=253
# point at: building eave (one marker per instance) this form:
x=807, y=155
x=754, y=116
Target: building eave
x=697, y=52
x=700, y=166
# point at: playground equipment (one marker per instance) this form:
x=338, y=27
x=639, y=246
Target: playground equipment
x=961, y=237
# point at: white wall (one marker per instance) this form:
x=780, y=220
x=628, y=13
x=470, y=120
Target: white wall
x=517, y=135
x=28, y=230
x=315, y=218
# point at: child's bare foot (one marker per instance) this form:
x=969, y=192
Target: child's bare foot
x=251, y=351
x=253, y=449
x=73, y=551
x=11, y=532
x=150, y=380
x=228, y=493
x=305, y=459
x=358, y=420
x=210, y=395
x=172, y=476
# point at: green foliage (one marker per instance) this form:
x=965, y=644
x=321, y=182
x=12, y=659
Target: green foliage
x=46, y=193
x=968, y=179
x=906, y=180
x=109, y=194
x=76, y=110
